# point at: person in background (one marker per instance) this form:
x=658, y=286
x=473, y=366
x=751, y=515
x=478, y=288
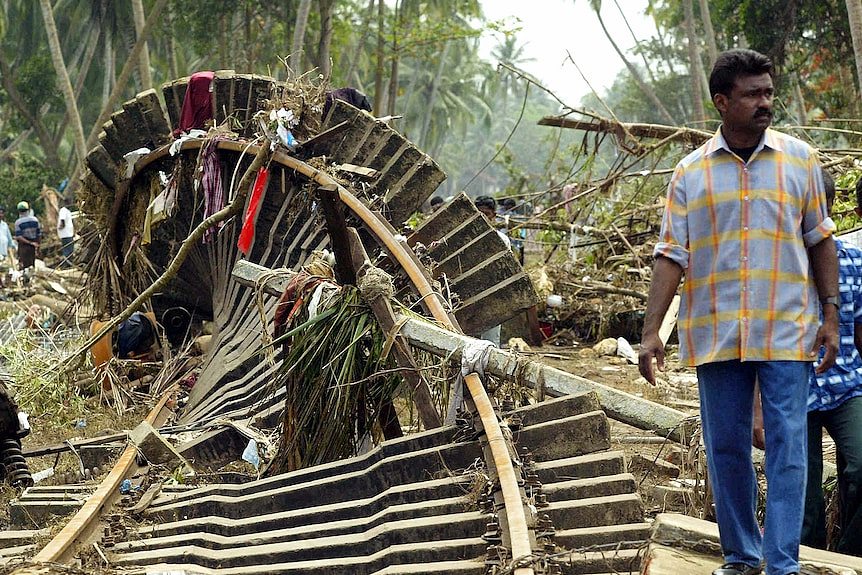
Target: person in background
x=435, y=202
x=7, y=243
x=28, y=234
x=66, y=232
x=835, y=403
x=746, y=221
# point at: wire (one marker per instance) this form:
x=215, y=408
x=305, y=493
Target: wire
x=509, y=137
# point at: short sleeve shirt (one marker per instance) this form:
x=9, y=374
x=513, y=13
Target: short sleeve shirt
x=741, y=230
x=844, y=379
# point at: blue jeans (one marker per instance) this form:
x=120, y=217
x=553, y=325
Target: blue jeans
x=726, y=394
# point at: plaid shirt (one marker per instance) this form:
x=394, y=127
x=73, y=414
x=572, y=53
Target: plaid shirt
x=741, y=232
x=844, y=380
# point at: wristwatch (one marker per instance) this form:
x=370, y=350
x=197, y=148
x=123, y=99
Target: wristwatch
x=833, y=299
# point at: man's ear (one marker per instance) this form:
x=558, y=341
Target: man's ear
x=719, y=100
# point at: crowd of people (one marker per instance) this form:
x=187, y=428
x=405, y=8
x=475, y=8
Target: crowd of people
x=20, y=248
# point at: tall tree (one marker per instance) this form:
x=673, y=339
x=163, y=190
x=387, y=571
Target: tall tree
x=63, y=80
x=380, y=58
x=645, y=88
x=325, y=42
x=708, y=30
x=695, y=64
x=296, y=55
x=854, y=15
x=144, y=60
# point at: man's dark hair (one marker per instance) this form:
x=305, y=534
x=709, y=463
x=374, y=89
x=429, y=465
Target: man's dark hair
x=436, y=201
x=829, y=187
x=486, y=201
x=732, y=64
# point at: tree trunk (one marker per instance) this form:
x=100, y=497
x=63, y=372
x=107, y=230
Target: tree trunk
x=360, y=45
x=144, y=60
x=378, y=73
x=323, y=47
x=854, y=15
x=695, y=65
x=109, y=65
x=63, y=80
x=126, y=71
x=432, y=96
x=393, y=72
x=299, y=36
x=81, y=76
x=646, y=89
x=801, y=114
x=708, y=31
x=172, y=46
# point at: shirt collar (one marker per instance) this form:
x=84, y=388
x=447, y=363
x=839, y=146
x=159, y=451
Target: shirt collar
x=770, y=139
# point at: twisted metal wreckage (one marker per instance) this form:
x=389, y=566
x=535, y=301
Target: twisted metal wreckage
x=485, y=487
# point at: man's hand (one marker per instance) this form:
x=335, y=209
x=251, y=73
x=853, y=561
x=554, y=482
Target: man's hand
x=827, y=337
x=651, y=347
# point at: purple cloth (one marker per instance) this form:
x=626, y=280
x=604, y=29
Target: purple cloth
x=212, y=185
x=197, y=103
x=350, y=95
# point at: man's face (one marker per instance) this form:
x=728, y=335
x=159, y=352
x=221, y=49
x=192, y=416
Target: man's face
x=487, y=212
x=748, y=108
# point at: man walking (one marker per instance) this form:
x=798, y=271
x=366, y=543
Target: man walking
x=746, y=222
x=28, y=233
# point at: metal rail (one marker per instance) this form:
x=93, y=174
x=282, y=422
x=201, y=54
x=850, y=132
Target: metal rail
x=82, y=523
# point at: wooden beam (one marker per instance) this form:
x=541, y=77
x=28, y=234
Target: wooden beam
x=336, y=227
x=656, y=131
x=385, y=316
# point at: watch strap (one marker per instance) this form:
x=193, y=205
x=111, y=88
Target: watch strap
x=833, y=299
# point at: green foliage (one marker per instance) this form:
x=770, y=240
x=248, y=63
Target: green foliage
x=22, y=179
x=37, y=83
x=44, y=393
x=844, y=208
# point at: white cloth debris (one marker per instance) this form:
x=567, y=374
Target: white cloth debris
x=474, y=359
x=185, y=137
x=624, y=349
x=131, y=158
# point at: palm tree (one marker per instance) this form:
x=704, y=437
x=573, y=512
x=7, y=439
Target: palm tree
x=854, y=15
x=144, y=60
x=695, y=65
x=299, y=36
x=63, y=79
x=708, y=30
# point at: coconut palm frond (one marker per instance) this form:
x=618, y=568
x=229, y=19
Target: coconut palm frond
x=336, y=380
